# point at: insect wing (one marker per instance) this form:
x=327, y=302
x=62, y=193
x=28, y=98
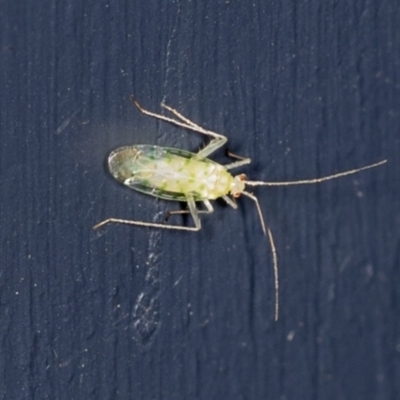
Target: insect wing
x=140, y=167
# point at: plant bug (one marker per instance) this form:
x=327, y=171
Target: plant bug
x=179, y=175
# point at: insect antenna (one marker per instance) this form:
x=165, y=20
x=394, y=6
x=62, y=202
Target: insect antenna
x=316, y=180
x=288, y=183
x=273, y=248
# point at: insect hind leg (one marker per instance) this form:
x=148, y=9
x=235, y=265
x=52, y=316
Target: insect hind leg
x=146, y=224
x=192, y=209
x=181, y=117
x=218, y=141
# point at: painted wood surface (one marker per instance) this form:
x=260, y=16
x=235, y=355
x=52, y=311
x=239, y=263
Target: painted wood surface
x=303, y=88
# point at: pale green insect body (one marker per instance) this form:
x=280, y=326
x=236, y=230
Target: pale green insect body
x=175, y=174
x=170, y=174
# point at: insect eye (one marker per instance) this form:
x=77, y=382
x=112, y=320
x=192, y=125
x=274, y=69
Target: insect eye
x=238, y=185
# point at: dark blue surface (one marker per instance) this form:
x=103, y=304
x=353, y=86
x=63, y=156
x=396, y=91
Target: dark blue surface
x=304, y=88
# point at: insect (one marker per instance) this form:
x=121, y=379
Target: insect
x=180, y=175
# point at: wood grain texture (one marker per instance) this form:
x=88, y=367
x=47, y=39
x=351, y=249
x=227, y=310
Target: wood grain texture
x=304, y=88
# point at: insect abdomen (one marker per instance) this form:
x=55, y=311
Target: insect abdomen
x=169, y=173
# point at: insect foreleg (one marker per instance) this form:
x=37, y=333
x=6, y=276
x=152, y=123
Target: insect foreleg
x=237, y=164
x=242, y=161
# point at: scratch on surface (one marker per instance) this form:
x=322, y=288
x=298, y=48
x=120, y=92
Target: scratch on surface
x=146, y=312
x=66, y=122
x=67, y=361
x=146, y=315
x=290, y=336
x=178, y=280
x=168, y=52
x=147, y=305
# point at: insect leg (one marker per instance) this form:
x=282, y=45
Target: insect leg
x=147, y=224
x=230, y=201
x=218, y=141
x=207, y=203
x=237, y=164
x=242, y=161
x=214, y=145
x=180, y=116
x=273, y=249
x=164, y=118
x=233, y=155
x=192, y=209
